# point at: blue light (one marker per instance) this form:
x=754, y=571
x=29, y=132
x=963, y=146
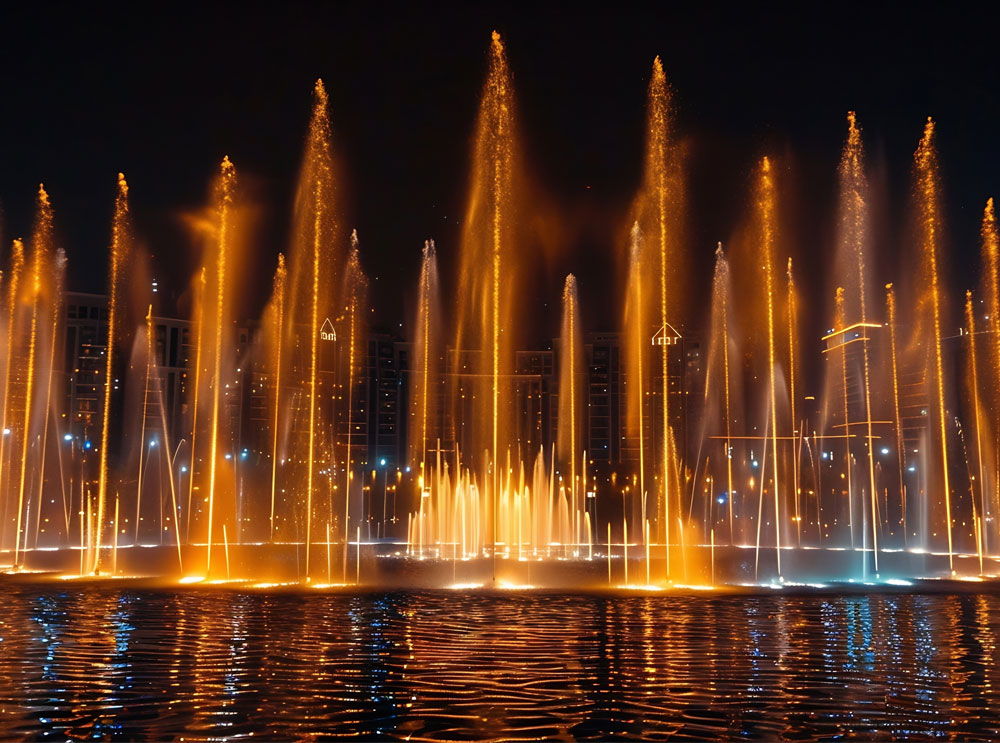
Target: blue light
x=721, y=499
x=407, y=468
x=382, y=462
x=183, y=469
x=244, y=455
x=87, y=445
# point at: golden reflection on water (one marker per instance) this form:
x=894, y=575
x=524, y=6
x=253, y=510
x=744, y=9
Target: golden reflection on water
x=102, y=662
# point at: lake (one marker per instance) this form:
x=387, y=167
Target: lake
x=97, y=661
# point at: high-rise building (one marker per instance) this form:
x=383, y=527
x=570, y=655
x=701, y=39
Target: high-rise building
x=385, y=395
x=86, y=338
x=536, y=400
x=604, y=401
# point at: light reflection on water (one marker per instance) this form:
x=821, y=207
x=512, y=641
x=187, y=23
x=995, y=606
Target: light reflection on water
x=97, y=662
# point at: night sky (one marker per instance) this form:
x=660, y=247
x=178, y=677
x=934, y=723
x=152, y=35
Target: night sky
x=85, y=93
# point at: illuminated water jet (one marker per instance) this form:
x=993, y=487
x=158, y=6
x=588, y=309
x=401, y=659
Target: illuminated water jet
x=766, y=207
x=926, y=174
x=355, y=290
x=41, y=246
x=277, y=334
x=991, y=291
x=224, y=195
x=571, y=363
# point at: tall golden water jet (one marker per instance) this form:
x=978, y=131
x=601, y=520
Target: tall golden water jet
x=312, y=266
x=41, y=247
x=29, y=401
x=766, y=208
x=313, y=364
x=659, y=179
x=658, y=211
x=498, y=185
x=425, y=355
x=570, y=371
x=224, y=195
x=55, y=307
x=481, y=369
x=890, y=303
x=991, y=291
x=792, y=314
x=355, y=291
x=121, y=246
x=719, y=347
x=928, y=198
x=277, y=331
x=722, y=271
x=970, y=320
x=635, y=334
x=7, y=413
x=488, y=276
x=853, y=240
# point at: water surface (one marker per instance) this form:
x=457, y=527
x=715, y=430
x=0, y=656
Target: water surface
x=106, y=662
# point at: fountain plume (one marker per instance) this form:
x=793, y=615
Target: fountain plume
x=55, y=321
x=658, y=210
x=488, y=269
x=636, y=325
x=277, y=325
x=890, y=304
x=792, y=316
x=972, y=380
x=38, y=283
x=356, y=295
x=929, y=230
x=121, y=245
x=424, y=385
x=853, y=243
x=990, y=290
x=225, y=192
x=314, y=262
x=7, y=412
x=765, y=211
x=570, y=393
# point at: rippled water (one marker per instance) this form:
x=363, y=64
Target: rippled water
x=98, y=662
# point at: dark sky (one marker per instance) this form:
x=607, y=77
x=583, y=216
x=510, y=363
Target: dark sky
x=86, y=92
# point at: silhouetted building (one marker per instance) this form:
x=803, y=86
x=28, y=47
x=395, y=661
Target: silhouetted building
x=385, y=398
x=603, y=434
x=86, y=338
x=536, y=401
